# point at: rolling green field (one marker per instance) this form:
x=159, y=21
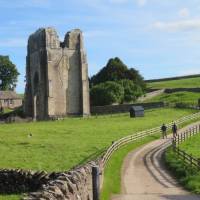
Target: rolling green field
x=182, y=83
x=60, y=145
x=177, y=97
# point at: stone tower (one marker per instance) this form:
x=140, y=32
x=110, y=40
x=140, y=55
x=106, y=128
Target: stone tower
x=56, y=75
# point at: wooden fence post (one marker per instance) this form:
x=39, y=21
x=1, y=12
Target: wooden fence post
x=95, y=182
x=198, y=163
x=178, y=139
x=184, y=155
x=191, y=160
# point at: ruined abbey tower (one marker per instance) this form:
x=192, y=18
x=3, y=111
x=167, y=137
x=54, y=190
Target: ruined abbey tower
x=56, y=75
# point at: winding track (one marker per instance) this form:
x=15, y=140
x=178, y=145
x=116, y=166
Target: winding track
x=144, y=176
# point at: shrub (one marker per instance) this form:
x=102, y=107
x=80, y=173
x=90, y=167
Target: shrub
x=106, y=93
x=131, y=90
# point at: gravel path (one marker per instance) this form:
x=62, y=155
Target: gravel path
x=144, y=176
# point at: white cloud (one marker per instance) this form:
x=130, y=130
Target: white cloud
x=184, y=12
x=182, y=25
x=13, y=42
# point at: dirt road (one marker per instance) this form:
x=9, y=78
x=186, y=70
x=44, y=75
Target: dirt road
x=145, y=177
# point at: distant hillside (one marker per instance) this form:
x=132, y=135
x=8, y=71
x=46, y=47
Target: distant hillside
x=175, y=83
x=173, y=78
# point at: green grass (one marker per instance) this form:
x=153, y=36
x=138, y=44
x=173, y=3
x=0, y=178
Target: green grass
x=177, y=97
x=112, y=173
x=187, y=176
x=60, y=145
x=182, y=83
x=9, y=197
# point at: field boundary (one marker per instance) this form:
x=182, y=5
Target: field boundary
x=183, y=155
x=172, y=78
x=128, y=139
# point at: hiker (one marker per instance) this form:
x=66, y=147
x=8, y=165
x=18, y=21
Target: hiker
x=164, y=131
x=174, y=129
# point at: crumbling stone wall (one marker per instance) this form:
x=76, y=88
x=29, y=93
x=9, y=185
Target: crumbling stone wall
x=56, y=75
x=19, y=181
x=75, y=184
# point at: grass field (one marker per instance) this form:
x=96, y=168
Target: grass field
x=182, y=83
x=60, y=145
x=177, y=97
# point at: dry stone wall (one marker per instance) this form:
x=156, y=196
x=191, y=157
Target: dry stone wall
x=111, y=109
x=75, y=184
x=19, y=181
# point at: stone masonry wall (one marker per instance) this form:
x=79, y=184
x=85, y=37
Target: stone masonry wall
x=19, y=181
x=111, y=109
x=56, y=75
x=75, y=184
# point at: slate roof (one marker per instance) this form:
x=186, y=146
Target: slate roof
x=9, y=95
x=137, y=108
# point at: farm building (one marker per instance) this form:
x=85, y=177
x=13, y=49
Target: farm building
x=136, y=111
x=9, y=99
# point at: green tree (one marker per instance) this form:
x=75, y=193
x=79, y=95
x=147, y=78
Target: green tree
x=8, y=74
x=106, y=93
x=131, y=90
x=116, y=70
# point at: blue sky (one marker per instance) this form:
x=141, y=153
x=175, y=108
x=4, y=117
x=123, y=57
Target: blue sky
x=160, y=38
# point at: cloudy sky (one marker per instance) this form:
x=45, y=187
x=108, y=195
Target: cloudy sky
x=160, y=38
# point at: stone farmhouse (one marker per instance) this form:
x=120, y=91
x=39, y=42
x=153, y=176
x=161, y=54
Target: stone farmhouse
x=9, y=99
x=56, y=75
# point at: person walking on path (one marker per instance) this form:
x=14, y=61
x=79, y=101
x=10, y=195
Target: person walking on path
x=164, y=131
x=174, y=129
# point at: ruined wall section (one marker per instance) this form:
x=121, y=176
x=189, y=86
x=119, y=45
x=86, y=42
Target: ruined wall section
x=36, y=76
x=57, y=77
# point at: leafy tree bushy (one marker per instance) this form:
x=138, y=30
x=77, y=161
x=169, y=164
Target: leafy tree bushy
x=131, y=90
x=116, y=70
x=115, y=83
x=106, y=93
x=8, y=74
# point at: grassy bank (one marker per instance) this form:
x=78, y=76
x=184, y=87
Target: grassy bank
x=187, y=176
x=177, y=97
x=60, y=145
x=182, y=83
